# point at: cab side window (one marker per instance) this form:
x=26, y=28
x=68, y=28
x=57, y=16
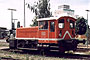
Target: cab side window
x=52, y=26
x=43, y=25
x=61, y=23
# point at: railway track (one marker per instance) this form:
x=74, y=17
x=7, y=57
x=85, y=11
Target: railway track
x=55, y=54
x=71, y=56
x=3, y=58
x=83, y=49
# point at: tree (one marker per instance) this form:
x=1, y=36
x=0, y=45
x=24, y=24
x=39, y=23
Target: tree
x=81, y=26
x=41, y=10
x=35, y=23
x=44, y=9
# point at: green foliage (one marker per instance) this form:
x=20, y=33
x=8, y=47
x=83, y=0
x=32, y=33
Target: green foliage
x=41, y=10
x=81, y=26
x=35, y=22
x=44, y=9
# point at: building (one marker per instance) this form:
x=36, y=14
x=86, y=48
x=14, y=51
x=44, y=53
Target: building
x=3, y=32
x=64, y=10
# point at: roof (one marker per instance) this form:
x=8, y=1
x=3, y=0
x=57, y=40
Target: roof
x=52, y=18
x=27, y=27
x=49, y=18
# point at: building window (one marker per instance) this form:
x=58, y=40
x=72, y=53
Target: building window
x=61, y=23
x=52, y=26
x=43, y=25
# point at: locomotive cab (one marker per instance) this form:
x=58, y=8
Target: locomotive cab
x=62, y=28
x=66, y=26
x=59, y=31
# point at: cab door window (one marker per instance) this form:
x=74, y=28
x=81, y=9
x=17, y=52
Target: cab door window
x=52, y=26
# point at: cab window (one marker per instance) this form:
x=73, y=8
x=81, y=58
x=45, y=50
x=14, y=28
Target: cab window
x=61, y=23
x=72, y=24
x=52, y=26
x=43, y=25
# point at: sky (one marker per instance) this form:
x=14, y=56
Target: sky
x=5, y=15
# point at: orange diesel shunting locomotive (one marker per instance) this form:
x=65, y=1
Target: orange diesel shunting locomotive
x=54, y=33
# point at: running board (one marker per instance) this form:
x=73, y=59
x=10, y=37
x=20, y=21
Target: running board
x=28, y=48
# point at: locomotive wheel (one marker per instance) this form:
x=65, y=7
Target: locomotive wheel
x=13, y=44
x=74, y=45
x=61, y=49
x=42, y=51
x=47, y=50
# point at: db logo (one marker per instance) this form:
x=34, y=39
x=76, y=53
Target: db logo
x=43, y=33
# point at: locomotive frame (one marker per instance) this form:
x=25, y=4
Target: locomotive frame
x=54, y=33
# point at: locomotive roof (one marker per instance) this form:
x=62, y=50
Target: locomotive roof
x=51, y=18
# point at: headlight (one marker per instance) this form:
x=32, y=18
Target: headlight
x=60, y=34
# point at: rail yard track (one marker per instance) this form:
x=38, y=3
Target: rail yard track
x=80, y=54
x=55, y=54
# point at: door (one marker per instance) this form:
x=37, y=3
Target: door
x=43, y=29
x=52, y=29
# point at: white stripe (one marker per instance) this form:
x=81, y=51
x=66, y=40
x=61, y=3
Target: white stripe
x=28, y=38
x=48, y=38
x=68, y=34
x=40, y=38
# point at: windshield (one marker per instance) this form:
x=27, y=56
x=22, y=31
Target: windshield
x=61, y=23
x=72, y=24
